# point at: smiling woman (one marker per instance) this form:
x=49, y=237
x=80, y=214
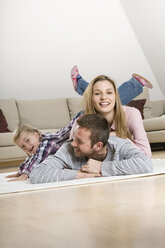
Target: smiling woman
x=101, y=96
x=104, y=98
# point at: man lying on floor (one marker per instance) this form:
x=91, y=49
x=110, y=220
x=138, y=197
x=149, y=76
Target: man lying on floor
x=92, y=153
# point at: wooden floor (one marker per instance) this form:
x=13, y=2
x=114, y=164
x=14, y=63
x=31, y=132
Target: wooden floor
x=116, y=214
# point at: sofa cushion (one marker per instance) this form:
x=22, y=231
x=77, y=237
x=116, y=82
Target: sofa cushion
x=147, y=111
x=154, y=124
x=44, y=113
x=6, y=139
x=3, y=123
x=156, y=136
x=158, y=108
x=10, y=112
x=11, y=153
x=74, y=105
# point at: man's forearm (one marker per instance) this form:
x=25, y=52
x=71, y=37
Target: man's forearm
x=136, y=165
x=46, y=174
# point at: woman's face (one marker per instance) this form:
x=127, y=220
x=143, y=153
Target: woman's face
x=103, y=97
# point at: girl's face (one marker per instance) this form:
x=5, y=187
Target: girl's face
x=103, y=97
x=28, y=142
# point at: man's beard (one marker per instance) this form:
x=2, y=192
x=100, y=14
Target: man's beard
x=92, y=154
x=79, y=154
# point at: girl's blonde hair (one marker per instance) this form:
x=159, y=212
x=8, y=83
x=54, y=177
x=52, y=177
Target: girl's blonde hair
x=24, y=129
x=119, y=117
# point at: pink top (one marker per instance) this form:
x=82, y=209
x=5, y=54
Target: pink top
x=136, y=129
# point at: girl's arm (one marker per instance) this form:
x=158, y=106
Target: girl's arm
x=13, y=175
x=22, y=177
x=63, y=134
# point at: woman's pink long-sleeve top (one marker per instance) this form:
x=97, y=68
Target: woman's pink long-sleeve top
x=136, y=129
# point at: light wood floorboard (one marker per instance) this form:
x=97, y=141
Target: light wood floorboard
x=119, y=214
x=116, y=214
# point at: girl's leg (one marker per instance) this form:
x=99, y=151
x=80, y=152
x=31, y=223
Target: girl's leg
x=127, y=91
x=132, y=88
x=79, y=83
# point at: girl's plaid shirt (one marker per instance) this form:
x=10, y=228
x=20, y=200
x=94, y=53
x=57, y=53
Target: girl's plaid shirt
x=49, y=145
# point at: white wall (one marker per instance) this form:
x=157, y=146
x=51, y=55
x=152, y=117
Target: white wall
x=147, y=18
x=42, y=39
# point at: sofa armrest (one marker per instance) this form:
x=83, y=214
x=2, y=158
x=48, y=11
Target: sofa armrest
x=158, y=108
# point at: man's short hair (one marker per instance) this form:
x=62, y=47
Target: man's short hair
x=98, y=127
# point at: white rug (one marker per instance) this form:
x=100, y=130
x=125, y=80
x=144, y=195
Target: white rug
x=23, y=186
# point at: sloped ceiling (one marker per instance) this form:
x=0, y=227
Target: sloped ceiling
x=147, y=18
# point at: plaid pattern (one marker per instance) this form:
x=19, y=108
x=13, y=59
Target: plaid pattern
x=49, y=145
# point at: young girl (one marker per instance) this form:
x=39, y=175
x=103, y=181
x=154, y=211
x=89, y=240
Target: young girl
x=37, y=146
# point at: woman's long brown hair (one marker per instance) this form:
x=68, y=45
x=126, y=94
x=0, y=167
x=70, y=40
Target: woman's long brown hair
x=119, y=117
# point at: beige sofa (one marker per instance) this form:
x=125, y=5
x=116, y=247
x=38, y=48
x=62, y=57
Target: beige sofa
x=48, y=115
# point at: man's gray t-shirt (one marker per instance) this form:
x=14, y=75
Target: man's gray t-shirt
x=123, y=158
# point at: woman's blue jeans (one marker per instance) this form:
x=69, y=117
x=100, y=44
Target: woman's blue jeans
x=127, y=91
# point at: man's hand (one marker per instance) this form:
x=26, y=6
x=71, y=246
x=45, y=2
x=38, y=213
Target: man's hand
x=81, y=174
x=92, y=166
x=22, y=177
